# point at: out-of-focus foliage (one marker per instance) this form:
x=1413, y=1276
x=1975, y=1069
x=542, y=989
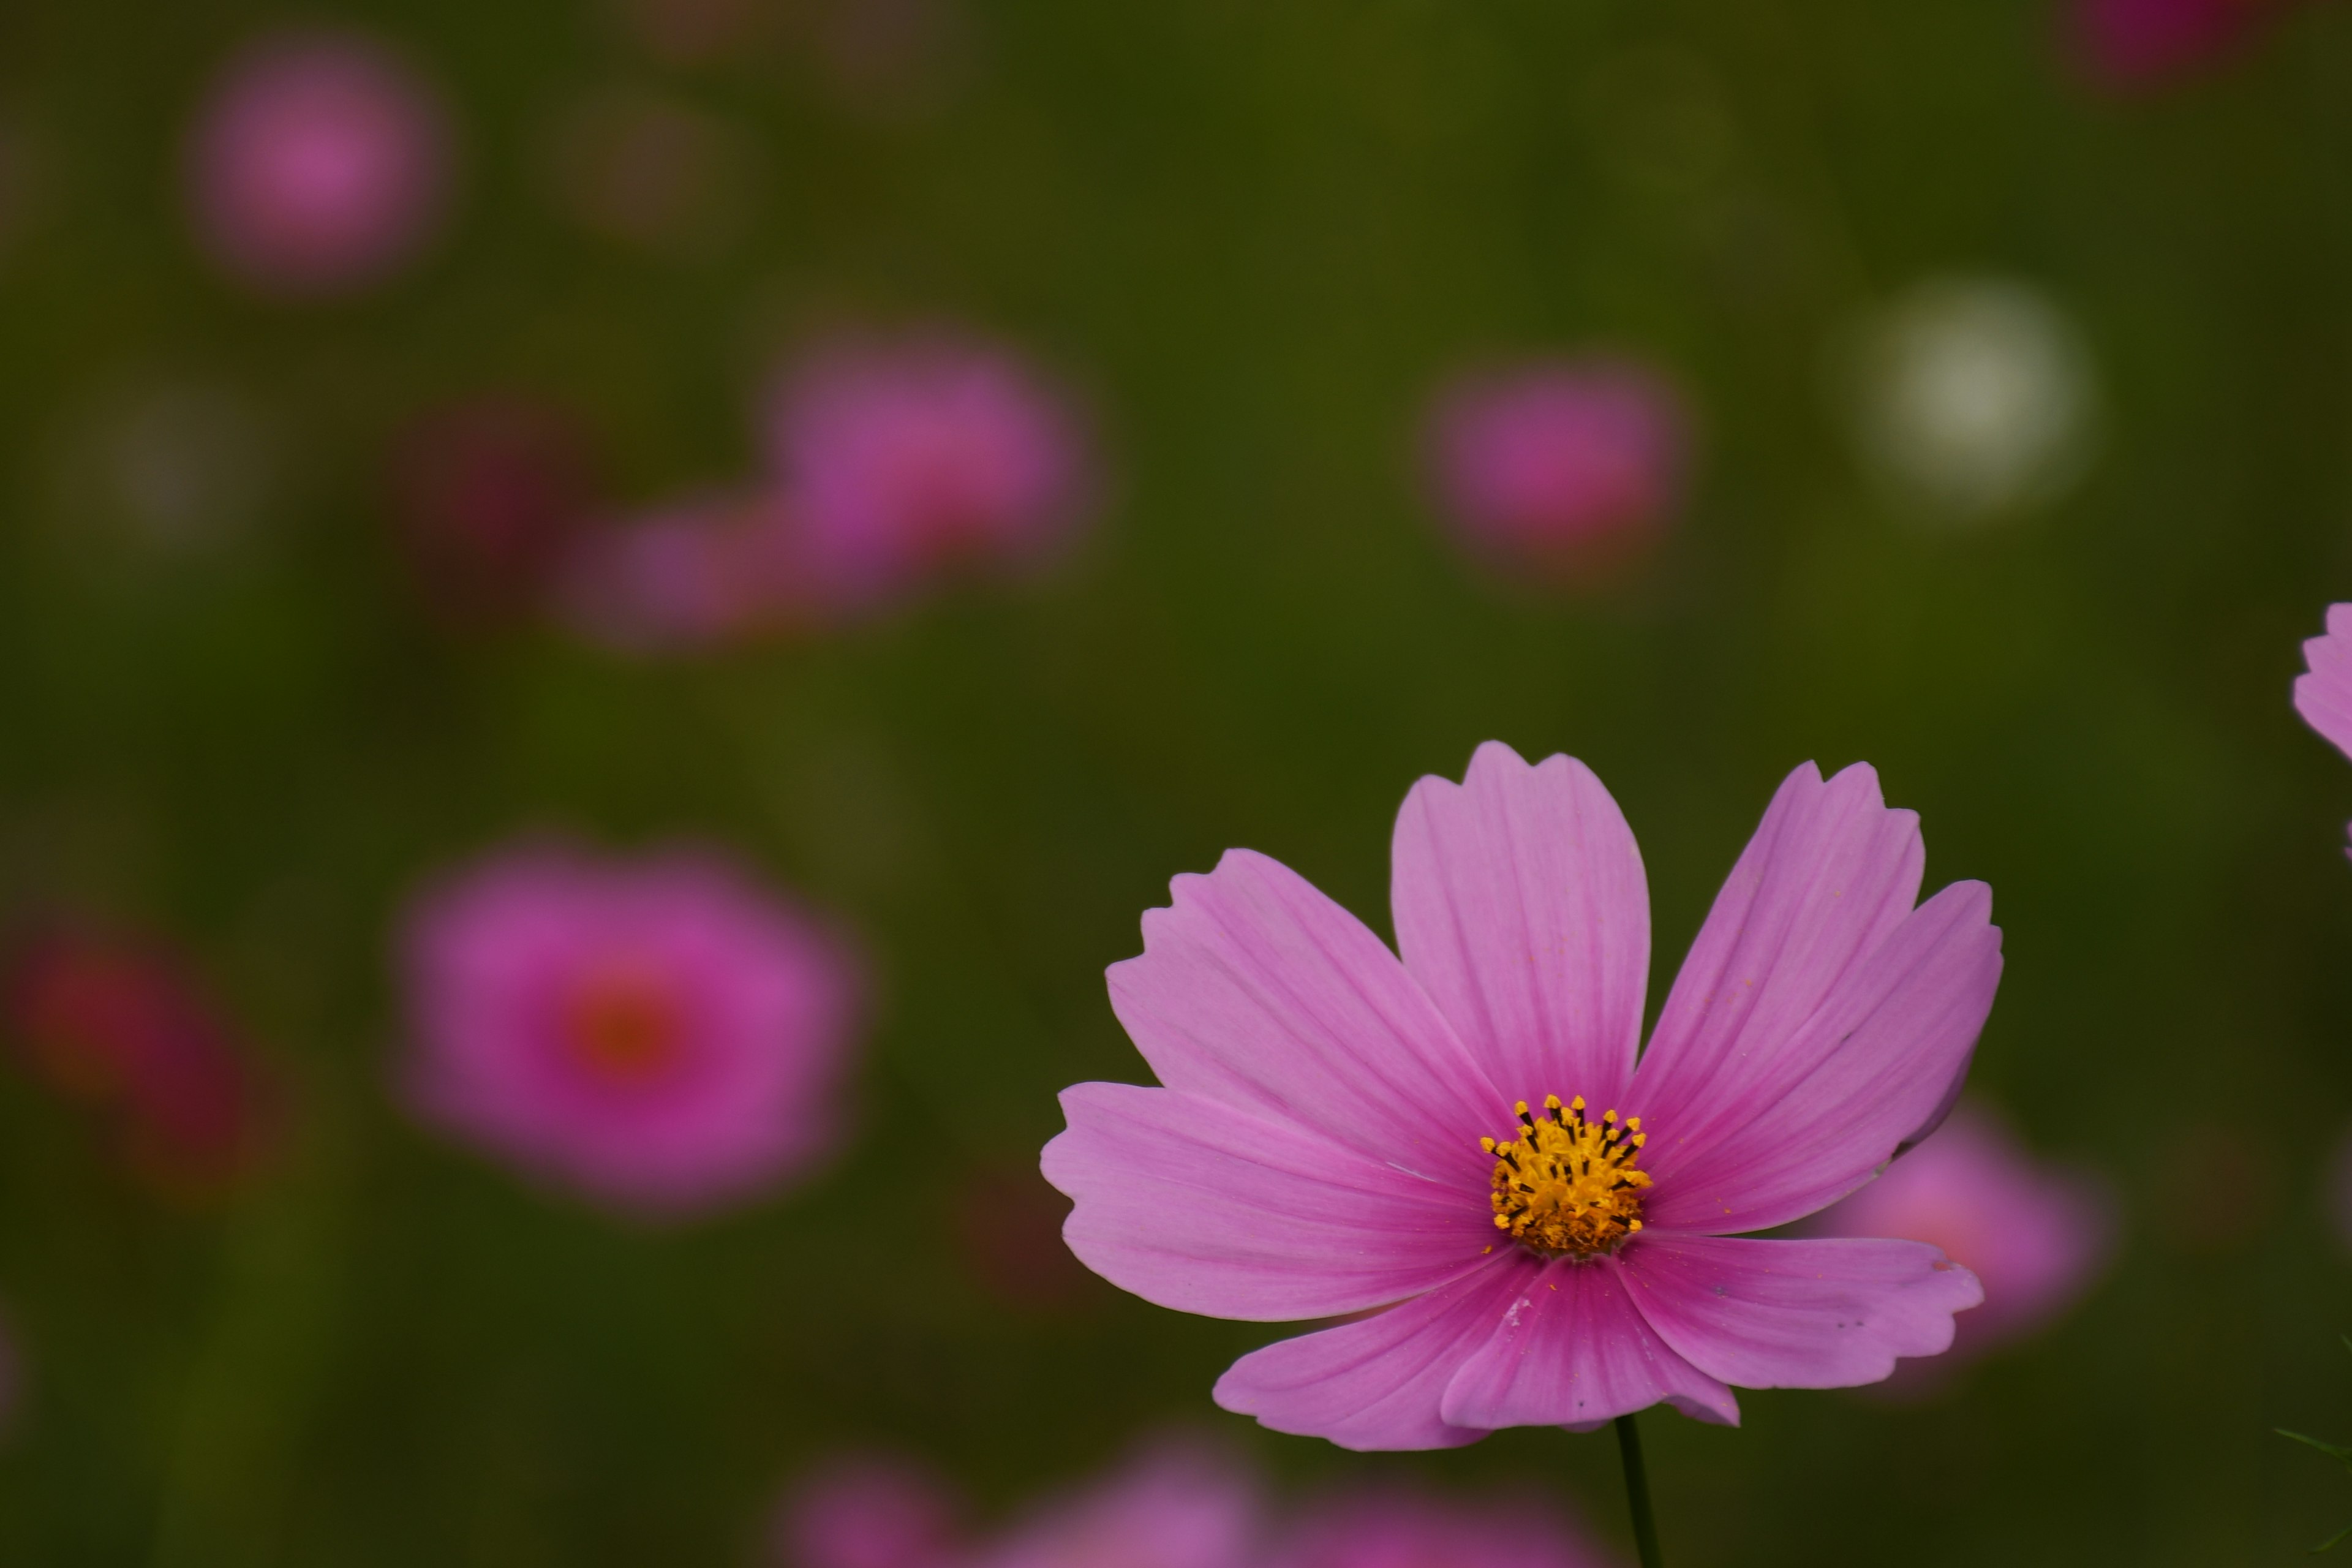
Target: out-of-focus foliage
x=236, y=709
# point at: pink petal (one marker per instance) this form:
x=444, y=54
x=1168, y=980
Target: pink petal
x=1829, y=875
x=1572, y=1349
x=2324, y=697
x=1198, y=1206
x=1256, y=990
x=1520, y=908
x=1798, y=1314
x=1375, y=1385
x=1871, y=1070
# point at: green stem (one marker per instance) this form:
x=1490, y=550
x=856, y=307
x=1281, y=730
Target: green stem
x=1637, y=1494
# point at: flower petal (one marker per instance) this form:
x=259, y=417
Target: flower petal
x=1829, y=875
x=1521, y=908
x=2324, y=697
x=1375, y=1385
x=1572, y=1349
x=1871, y=1069
x=1254, y=989
x=1201, y=1207
x=1797, y=1314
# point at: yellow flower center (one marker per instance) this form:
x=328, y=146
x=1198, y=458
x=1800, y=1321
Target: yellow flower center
x=1567, y=1187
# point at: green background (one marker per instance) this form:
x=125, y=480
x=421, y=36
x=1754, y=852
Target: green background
x=1254, y=230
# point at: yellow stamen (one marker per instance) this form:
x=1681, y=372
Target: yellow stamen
x=1568, y=1187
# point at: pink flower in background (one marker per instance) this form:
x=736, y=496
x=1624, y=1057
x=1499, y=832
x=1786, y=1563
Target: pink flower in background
x=1403, y=1527
x=906, y=456
x=2035, y=1234
x=117, y=1020
x=490, y=493
x=657, y=1032
x=1175, y=1505
x=318, y=165
x=2143, y=44
x=1463, y=1137
x=696, y=575
x=868, y=1510
x=1567, y=466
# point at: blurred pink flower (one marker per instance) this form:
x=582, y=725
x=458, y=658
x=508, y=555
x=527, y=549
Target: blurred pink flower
x=116, y=1020
x=318, y=165
x=1404, y=1527
x=2128, y=45
x=869, y=1511
x=1566, y=466
x=908, y=456
x=1318, y=1149
x=2036, y=1235
x=1177, y=1504
x=658, y=1032
x=697, y=574
x=490, y=492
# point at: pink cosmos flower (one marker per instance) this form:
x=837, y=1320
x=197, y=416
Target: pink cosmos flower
x=2035, y=1234
x=867, y=1510
x=1176, y=1505
x=2323, y=695
x=658, y=1033
x=1460, y=1141
x=910, y=456
x=117, y=1020
x=1567, y=466
x=2128, y=45
x=319, y=165
x=1406, y=1528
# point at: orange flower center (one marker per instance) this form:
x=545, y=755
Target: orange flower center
x=622, y=1023
x=1565, y=1186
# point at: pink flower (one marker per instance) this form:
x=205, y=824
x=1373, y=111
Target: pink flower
x=491, y=492
x=657, y=1033
x=1402, y=1527
x=867, y=1510
x=906, y=456
x=2323, y=695
x=1176, y=1505
x=318, y=165
x=2035, y=1234
x=117, y=1020
x=1337, y=1131
x=2142, y=44
x=694, y=576
x=1566, y=466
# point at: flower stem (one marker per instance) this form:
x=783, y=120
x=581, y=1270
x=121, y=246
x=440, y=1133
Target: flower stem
x=1637, y=1494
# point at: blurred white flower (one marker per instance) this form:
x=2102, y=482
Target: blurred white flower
x=1970, y=398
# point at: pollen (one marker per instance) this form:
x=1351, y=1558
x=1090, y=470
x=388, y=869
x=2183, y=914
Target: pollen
x=1569, y=1187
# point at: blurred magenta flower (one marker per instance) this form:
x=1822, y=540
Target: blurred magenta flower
x=912, y=455
x=1568, y=467
x=1404, y=1527
x=118, y=1021
x=318, y=164
x=2324, y=695
x=697, y=574
x=491, y=492
x=1177, y=1504
x=867, y=1510
x=2036, y=1235
x=1341, y=1131
x=2128, y=45
x=658, y=1032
